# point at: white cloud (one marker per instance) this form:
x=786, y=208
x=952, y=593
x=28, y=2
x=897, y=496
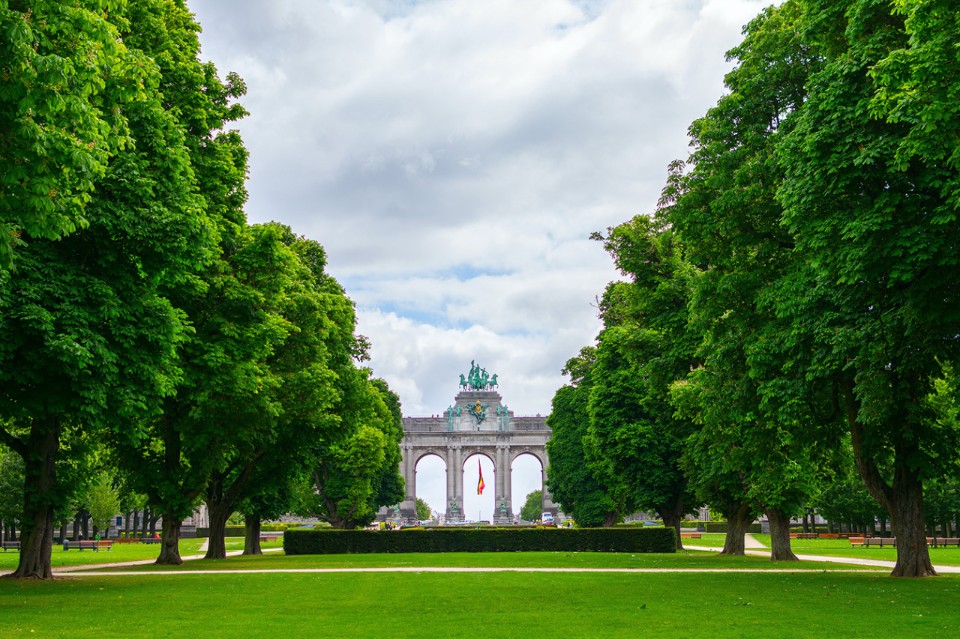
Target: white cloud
x=453, y=156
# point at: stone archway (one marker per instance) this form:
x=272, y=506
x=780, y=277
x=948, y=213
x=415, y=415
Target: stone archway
x=476, y=423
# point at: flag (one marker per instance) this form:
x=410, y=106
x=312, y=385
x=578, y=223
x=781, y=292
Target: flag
x=480, y=484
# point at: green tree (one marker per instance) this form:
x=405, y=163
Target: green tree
x=11, y=490
x=64, y=77
x=102, y=502
x=532, y=506
x=305, y=394
x=348, y=475
x=635, y=437
x=92, y=334
x=867, y=194
x=423, y=510
x=571, y=482
x=164, y=464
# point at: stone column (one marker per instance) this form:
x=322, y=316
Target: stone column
x=502, y=510
x=548, y=505
x=408, y=507
x=454, y=484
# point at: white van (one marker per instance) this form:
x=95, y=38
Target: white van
x=546, y=518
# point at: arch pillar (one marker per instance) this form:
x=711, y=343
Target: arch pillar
x=454, y=483
x=503, y=497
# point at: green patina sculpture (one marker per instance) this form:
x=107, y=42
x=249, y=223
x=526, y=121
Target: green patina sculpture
x=478, y=378
x=479, y=411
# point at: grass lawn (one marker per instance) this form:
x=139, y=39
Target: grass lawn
x=120, y=553
x=508, y=604
x=842, y=548
x=691, y=560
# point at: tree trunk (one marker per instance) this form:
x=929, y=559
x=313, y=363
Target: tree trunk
x=903, y=501
x=216, y=544
x=908, y=524
x=40, y=499
x=672, y=514
x=780, y=536
x=170, y=541
x=610, y=519
x=737, y=524
x=251, y=536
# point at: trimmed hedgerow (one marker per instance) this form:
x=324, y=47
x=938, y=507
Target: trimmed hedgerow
x=721, y=527
x=445, y=539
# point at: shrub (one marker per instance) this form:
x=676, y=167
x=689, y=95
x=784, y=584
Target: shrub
x=721, y=527
x=441, y=539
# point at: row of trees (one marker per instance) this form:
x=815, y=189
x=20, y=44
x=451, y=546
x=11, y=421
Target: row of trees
x=146, y=324
x=791, y=309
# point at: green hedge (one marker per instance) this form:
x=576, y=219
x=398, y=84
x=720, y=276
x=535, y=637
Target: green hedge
x=228, y=531
x=446, y=539
x=721, y=527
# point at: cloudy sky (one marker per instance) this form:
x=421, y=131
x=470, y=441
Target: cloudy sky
x=453, y=156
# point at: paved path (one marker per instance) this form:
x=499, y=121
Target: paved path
x=749, y=541
x=753, y=547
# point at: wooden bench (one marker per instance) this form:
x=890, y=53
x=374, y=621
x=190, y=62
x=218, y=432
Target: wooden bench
x=11, y=545
x=270, y=535
x=88, y=544
x=689, y=535
x=880, y=541
x=856, y=542
x=803, y=535
x=943, y=542
x=829, y=536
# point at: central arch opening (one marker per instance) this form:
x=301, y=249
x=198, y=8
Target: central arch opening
x=476, y=506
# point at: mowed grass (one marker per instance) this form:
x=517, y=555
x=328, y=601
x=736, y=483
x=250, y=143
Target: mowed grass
x=690, y=560
x=117, y=553
x=842, y=548
x=503, y=604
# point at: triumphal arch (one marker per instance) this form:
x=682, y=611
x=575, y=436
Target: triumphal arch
x=478, y=422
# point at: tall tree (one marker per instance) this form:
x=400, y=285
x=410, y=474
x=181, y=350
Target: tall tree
x=59, y=99
x=349, y=474
x=91, y=337
x=635, y=434
x=204, y=106
x=869, y=194
x=532, y=506
x=755, y=438
x=572, y=483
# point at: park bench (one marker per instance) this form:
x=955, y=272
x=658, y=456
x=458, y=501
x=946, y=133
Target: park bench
x=270, y=536
x=856, y=542
x=803, y=535
x=880, y=541
x=149, y=540
x=829, y=536
x=943, y=542
x=689, y=535
x=88, y=544
x=11, y=545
